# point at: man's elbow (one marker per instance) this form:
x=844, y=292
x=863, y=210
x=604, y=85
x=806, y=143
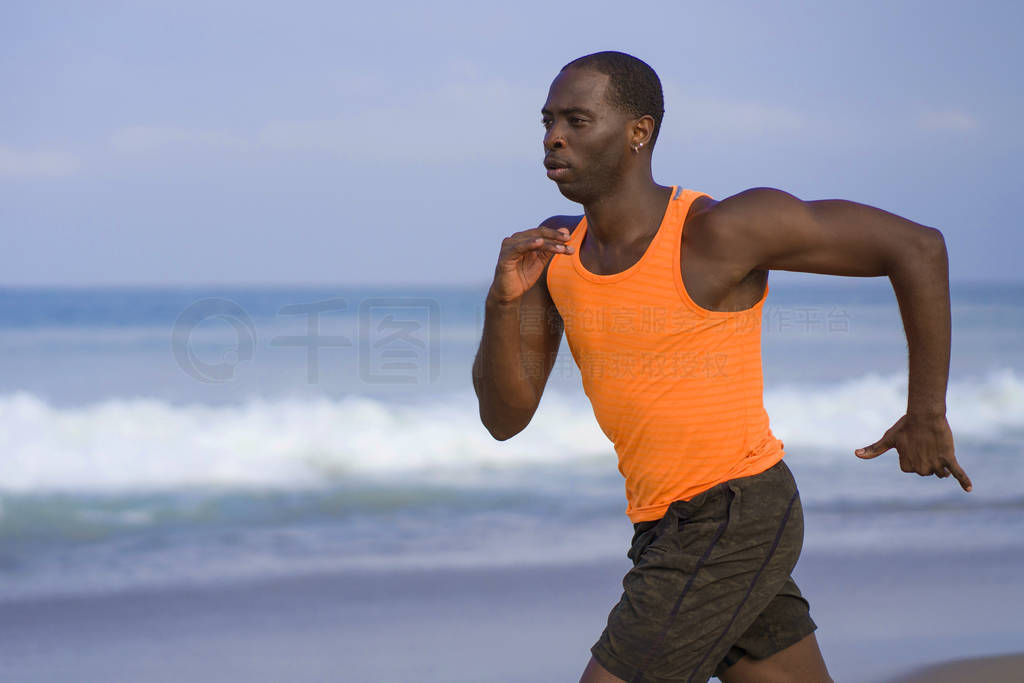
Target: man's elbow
x=503, y=421
x=501, y=432
x=501, y=436
x=923, y=248
x=932, y=243
x=934, y=237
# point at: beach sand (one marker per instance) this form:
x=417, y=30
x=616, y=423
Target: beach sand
x=1009, y=668
x=880, y=617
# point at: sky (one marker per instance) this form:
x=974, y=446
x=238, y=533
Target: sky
x=322, y=143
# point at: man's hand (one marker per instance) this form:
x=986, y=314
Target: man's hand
x=522, y=259
x=925, y=445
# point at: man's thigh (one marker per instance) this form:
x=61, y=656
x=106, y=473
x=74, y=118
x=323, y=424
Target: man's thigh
x=595, y=673
x=784, y=622
x=798, y=663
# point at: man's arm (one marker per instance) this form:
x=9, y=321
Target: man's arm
x=767, y=229
x=517, y=352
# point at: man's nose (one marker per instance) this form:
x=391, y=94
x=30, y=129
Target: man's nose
x=553, y=139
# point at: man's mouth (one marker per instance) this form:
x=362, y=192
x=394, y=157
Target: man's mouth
x=556, y=168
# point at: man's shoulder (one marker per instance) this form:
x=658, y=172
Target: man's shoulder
x=743, y=206
x=724, y=226
x=556, y=222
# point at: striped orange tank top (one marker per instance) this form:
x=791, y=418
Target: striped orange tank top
x=678, y=389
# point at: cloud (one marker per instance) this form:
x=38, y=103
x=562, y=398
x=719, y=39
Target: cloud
x=471, y=118
x=949, y=119
x=149, y=139
x=729, y=118
x=36, y=164
x=458, y=121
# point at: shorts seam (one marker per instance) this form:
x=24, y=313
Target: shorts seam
x=611, y=663
x=617, y=667
x=750, y=588
x=807, y=626
x=656, y=646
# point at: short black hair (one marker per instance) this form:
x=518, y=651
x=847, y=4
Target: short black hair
x=633, y=85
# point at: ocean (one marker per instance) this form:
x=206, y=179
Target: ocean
x=154, y=437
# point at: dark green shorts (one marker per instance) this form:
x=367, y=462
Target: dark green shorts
x=710, y=584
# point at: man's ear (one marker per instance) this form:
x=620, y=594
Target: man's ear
x=643, y=128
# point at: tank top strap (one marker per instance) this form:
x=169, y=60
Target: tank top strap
x=668, y=244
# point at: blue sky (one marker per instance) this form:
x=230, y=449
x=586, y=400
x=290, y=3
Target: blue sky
x=333, y=143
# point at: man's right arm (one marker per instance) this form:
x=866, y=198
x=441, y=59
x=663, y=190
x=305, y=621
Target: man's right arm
x=517, y=351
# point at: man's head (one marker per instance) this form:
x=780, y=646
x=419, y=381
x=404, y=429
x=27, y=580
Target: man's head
x=602, y=117
x=634, y=87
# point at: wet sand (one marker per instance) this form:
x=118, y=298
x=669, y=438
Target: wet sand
x=880, y=617
x=1007, y=668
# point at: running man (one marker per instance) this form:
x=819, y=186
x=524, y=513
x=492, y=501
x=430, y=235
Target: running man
x=659, y=291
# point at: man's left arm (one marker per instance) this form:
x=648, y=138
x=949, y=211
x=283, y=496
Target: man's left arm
x=767, y=229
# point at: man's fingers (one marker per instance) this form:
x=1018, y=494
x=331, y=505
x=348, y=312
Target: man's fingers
x=555, y=245
x=961, y=476
x=525, y=244
x=561, y=234
x=874, y=450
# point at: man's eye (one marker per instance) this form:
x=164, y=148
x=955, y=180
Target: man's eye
x=545, y=123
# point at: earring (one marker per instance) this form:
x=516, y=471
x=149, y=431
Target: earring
x=636, y=147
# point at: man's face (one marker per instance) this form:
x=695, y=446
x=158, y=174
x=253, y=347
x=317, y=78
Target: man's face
x=585, y=133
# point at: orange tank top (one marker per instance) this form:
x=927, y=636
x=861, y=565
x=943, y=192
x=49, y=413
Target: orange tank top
x=678, y=389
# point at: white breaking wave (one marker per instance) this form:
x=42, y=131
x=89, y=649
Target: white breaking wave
x=151, y=444
x=857, y=412
x=147, y=444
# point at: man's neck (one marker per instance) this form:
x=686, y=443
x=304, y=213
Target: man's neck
x=629, y=213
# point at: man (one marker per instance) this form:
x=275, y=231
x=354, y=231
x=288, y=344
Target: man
x=659, y=291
